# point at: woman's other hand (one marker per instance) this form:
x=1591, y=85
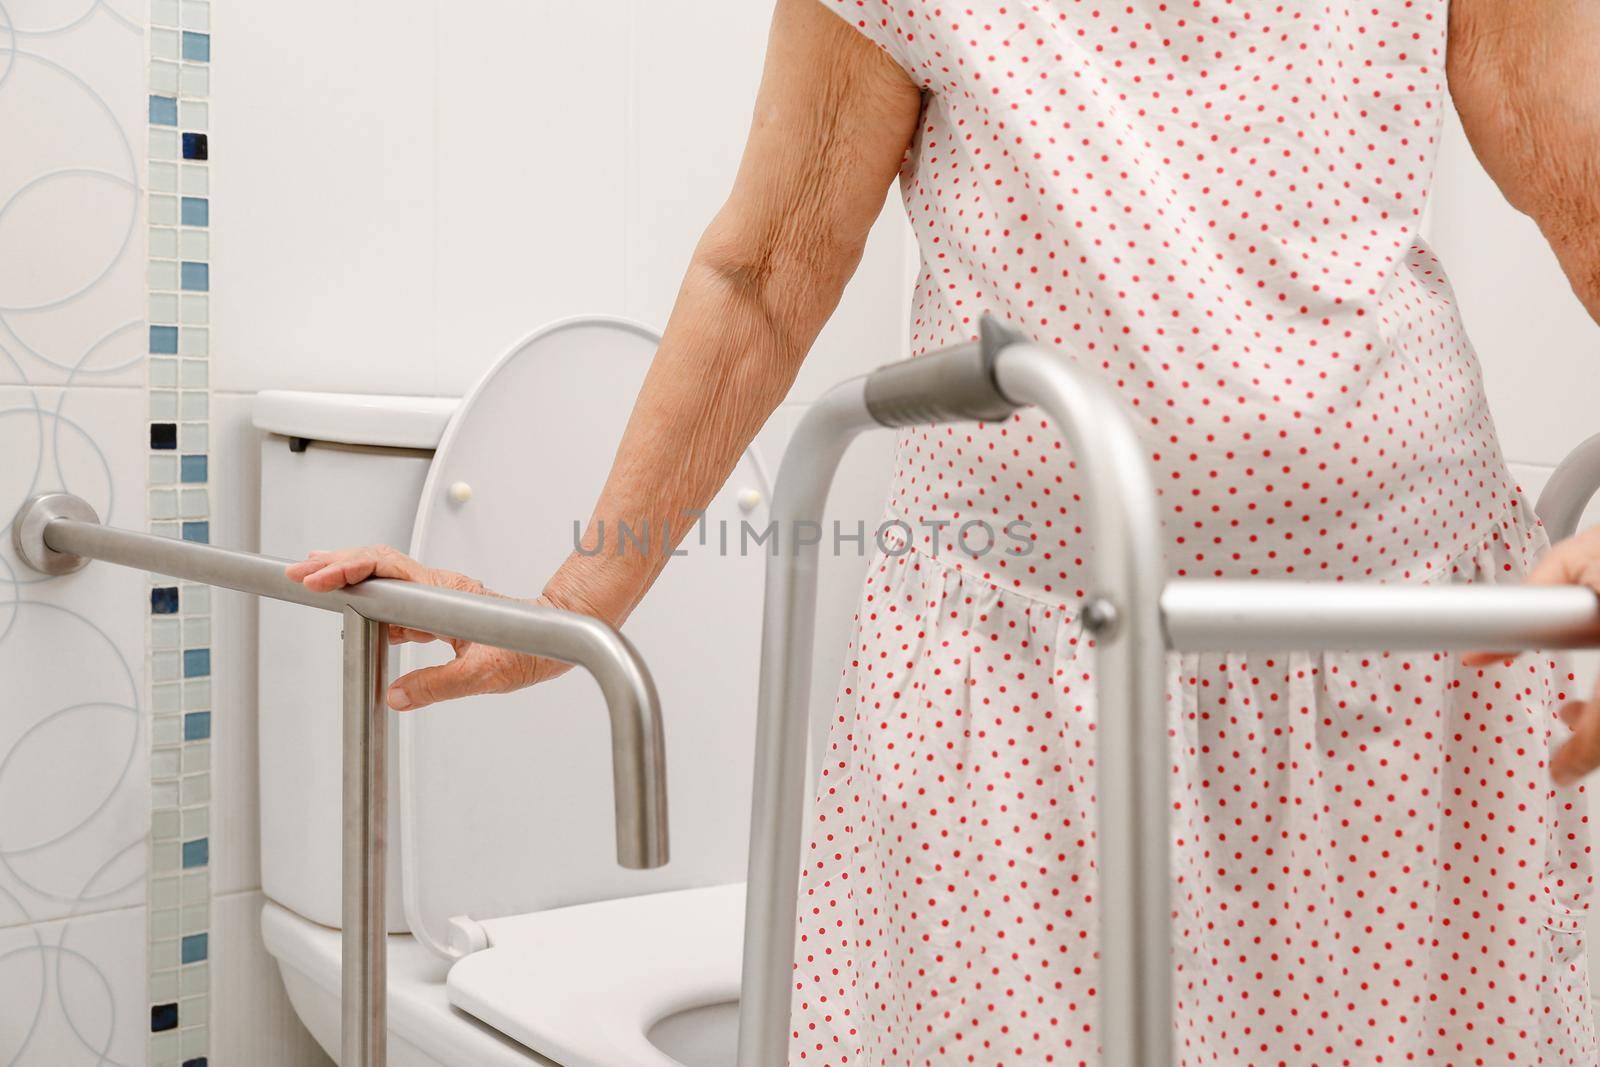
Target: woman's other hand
x=1575, y=561
x=475, y=669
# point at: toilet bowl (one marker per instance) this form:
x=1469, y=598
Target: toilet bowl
x=514, y=937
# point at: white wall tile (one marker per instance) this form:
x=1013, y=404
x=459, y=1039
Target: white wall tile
x=533, y=150
x=74, y=738
x=236, y=480
x=458, y=212
x=324, y=228
x=72, y=244
x=73, y=778
x=74, y=991
x=252, y=1024
x=694, y=69
x=1540, y=350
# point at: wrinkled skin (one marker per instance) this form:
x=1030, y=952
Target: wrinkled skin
x=1525, y=78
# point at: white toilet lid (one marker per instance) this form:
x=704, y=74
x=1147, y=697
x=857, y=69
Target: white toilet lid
x=505, y=801
x=585, y=985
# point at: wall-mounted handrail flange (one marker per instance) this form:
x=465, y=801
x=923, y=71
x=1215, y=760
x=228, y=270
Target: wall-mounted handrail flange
x=27, y=531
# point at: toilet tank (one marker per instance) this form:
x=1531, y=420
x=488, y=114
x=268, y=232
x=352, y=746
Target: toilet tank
x=336, y=470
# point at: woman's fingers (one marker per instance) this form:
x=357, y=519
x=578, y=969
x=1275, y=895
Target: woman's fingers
x=325, y=571
x=1570, y=712
x=476, y=669
x=313, y=562
x=400, y=635
x=429, y=685
x=1575, y=561
x=1581, y=752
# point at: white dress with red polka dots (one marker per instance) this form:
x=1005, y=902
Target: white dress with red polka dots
x=1215, y=205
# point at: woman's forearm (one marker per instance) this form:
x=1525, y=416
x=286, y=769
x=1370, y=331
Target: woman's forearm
x=726, y=360
x=832, y=121
x=1525, y=78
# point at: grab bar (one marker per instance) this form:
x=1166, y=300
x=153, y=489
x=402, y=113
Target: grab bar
x=1134, y=614
x=57, y=533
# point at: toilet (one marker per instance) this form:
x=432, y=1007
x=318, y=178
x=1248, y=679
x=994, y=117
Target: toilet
x=514, y=937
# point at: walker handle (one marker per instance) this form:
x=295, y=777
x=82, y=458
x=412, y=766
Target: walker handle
x=955, y=384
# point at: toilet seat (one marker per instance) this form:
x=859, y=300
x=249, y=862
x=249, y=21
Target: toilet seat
x=547, y=992
x=603, y=974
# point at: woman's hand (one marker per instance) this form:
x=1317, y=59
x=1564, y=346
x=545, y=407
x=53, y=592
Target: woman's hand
x=475, y=669
x=1575, y=561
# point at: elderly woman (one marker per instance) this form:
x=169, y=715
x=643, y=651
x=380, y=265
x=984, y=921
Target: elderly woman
x=1215, y=206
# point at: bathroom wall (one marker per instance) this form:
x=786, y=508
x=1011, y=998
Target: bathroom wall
x=409, y=191
x=75, y=786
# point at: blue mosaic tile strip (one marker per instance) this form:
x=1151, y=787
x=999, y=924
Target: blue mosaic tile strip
x=179, y=890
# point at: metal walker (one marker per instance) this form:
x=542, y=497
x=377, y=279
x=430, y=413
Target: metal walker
x=1134, y=613
x=1136, y=616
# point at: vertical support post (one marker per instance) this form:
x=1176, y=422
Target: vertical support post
x=1132, y=749
x=777, y=824
x=364, y=947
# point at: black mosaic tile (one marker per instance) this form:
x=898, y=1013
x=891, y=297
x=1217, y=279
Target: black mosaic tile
x=163, y=1017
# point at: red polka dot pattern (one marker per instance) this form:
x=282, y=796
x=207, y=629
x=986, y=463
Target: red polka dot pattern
x=1215, y=206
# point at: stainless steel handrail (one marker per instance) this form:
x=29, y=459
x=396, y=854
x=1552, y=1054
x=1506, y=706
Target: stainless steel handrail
x=57, y=533
x=1135, y=617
